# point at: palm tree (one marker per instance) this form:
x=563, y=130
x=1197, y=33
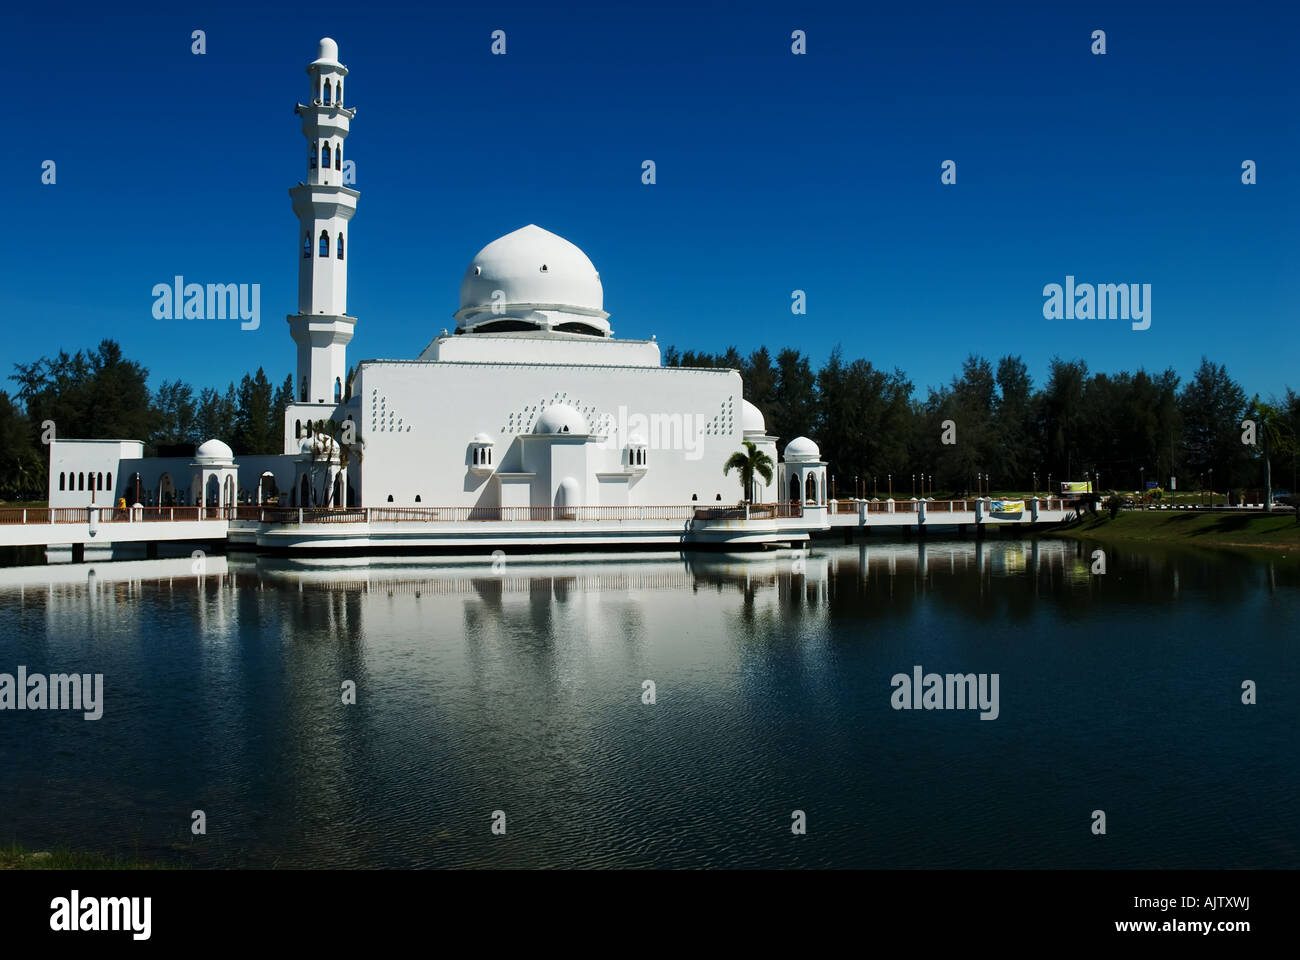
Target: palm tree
x=750, y=461
x=337, y=441
x=1278, y=440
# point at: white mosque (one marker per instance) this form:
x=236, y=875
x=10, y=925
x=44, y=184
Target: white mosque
x=529, y=401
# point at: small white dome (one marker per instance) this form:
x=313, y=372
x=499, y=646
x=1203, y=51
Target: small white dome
x=801, y=448
x=214, y=450
x=751, y=418
x=560, y=418
x=308, y=445
x=327, y=52
x=481, y=438
x=534, y=278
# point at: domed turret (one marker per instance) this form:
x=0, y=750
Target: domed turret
x=801, y=449
x=214, y=451
x=532, y=280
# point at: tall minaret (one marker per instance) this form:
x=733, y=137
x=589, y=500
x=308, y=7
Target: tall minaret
x=321, y=327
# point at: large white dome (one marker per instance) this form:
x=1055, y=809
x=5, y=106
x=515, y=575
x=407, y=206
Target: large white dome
x=532, y=279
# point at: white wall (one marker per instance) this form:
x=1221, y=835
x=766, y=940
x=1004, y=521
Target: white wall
x=417, y=420
x=79, y=460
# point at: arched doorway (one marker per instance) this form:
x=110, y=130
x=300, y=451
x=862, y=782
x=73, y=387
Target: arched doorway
x=794, y=489
x=566, y=498
x=166, y=491
x=212, y=493
x=267, y=491
x=812, y=488
x=228, y=493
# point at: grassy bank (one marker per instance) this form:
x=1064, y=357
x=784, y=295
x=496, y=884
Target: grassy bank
x=1248, y=530
x=15, y=857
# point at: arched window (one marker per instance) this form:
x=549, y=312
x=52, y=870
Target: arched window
x=417, y=498
x=306, y=246
x=81, y=481
x=338, y=92
x=794, y=489
x=474, y=457
x=303, y=398
x=390, y=498
x=489, y=454
x=338, y=155
x=327, y=98
x=319, y=84
x=338, y=384
x=324, y=243
x=99, y=481
x=695, y=496
x=61, y=479
x=812, y=487
x=340, y=246
x=313, y=156
x=297, y=429
x=325, y=156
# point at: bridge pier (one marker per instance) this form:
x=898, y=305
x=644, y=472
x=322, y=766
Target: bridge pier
x=78, y=553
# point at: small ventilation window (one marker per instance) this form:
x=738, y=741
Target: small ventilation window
x=695, y=496
x=390, y=498
x=417, y=498
x=543, y=268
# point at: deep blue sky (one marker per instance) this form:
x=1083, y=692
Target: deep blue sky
x=775, y=172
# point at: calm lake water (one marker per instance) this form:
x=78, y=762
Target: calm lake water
x=520, y=690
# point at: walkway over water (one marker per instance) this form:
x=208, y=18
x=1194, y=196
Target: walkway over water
x=361, y=527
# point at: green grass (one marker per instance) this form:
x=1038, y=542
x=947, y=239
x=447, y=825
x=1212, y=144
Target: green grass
x=1277, y=531
x=16, y=857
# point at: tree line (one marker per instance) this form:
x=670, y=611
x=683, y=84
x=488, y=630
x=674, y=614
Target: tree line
x=1120, y=429
x=100, y=394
